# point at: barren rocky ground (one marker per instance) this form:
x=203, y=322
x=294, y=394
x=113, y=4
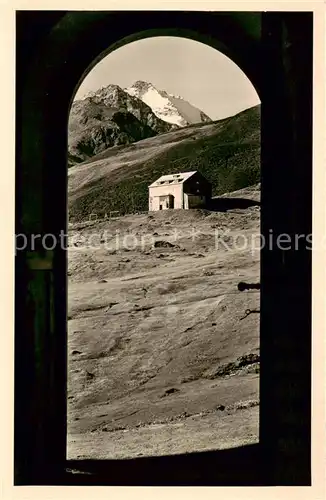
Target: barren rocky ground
x=163, y=356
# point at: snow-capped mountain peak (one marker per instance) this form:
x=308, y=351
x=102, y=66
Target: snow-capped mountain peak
x=170, y=108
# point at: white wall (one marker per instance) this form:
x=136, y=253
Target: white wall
x=154, y=192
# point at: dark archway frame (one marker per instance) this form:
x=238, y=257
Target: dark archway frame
x=54, y=50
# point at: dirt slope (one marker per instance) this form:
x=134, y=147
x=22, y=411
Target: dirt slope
x=162, y=356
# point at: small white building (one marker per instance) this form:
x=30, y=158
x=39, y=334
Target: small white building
x=184, y=190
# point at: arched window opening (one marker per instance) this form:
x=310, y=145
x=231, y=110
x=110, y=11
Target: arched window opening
x=164, y=132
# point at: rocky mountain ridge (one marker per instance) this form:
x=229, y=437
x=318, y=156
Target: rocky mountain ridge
x=109, y=117
x=112, y=116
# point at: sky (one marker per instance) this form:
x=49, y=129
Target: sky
x=197, y=72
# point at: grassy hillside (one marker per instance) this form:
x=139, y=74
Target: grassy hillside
x=227, y=152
